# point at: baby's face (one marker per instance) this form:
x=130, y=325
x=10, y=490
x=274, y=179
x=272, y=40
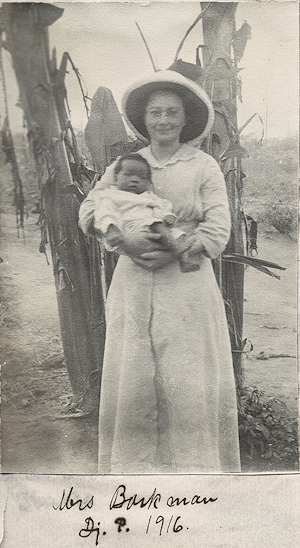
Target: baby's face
x=133, y=177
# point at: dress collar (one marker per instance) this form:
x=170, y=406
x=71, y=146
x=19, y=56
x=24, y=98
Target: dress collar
x=185, y=152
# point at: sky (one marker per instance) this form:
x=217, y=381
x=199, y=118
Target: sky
x=106, y=47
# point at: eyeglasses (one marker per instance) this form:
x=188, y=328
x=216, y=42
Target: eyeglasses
x=157, y=113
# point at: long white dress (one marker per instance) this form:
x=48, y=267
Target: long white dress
x=168, y=400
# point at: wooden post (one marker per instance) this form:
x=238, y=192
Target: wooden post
x=82, y=330
x=220, y=82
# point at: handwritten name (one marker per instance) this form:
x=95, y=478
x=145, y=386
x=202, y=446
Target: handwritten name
x=119, y=499
x=195, y=500
x=67, y=502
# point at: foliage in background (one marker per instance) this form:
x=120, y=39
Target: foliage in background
x=270, y=187
x=268, y=434
x=282, y=216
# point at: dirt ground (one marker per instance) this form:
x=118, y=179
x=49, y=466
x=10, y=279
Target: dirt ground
x=38, y=436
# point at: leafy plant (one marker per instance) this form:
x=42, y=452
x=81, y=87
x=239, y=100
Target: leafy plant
x=282, y=217
x=268, y=434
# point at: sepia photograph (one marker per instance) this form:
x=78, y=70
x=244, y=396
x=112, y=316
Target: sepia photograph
x=149, y=180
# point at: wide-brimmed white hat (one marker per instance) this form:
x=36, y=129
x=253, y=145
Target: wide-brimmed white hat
x=198, y=107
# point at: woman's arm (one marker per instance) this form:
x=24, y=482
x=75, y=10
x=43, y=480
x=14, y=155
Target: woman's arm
x=214, y=231
x=87, y=208
x=106, y=213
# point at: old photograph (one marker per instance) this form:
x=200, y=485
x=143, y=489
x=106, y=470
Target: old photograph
x=148, y=300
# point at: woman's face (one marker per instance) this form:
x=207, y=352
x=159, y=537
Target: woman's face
x=164, y=117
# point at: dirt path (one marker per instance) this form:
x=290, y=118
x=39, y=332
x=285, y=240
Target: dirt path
x=271, y=322
x=35, y=435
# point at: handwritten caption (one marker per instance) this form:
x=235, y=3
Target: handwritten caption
x=120, y=500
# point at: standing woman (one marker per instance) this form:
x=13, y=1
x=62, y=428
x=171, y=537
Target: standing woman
x=168, y=399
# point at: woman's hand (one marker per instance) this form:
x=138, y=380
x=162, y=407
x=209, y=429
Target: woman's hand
x=154, y=259
x=135, y=245
x=197, y=247
x=145, y=249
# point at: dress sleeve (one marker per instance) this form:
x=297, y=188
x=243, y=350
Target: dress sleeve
x=163, y=208
x=87, y=208
x=214, y=231
x=106, y=213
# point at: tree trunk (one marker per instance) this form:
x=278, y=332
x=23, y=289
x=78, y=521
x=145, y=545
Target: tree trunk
x=220, y=82
x=82, y=325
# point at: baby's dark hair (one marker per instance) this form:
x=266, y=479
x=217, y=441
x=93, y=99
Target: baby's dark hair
x=132, y=156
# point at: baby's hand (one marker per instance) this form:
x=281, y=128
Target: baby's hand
x=114, y=236
x=96, y=231
x=169, y=220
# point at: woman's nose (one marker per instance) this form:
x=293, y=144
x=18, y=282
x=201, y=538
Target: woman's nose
x=163, y=117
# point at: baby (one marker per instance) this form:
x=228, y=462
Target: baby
x=129, y=206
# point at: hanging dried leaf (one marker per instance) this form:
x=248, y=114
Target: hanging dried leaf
x=190, y=29
x=234, y=150
x=259, y=264
x=254, y=261
x=47, y=14
x=233, y=146
x=240, y=40
x=189, y=70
